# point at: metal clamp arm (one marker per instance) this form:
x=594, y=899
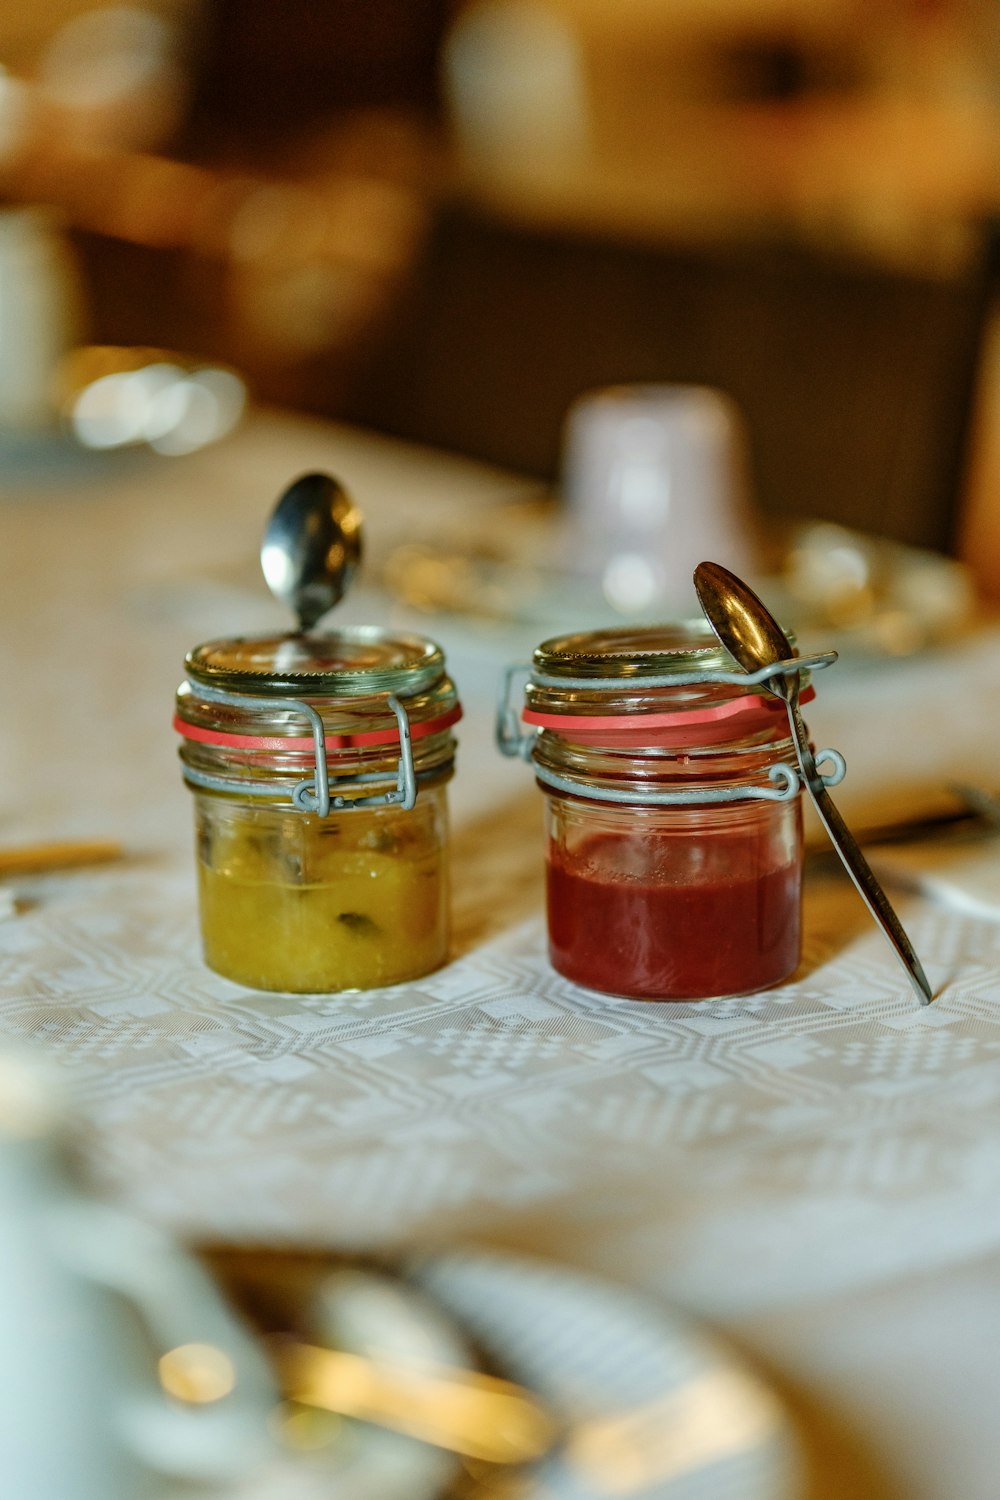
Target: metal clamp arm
x=313, y=794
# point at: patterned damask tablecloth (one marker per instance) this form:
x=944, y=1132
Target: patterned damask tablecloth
x=819, y=1137
x=815, y=1170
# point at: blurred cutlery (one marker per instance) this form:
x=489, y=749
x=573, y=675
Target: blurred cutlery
x=976, y=815
x=465, y=1411
x=35, y=859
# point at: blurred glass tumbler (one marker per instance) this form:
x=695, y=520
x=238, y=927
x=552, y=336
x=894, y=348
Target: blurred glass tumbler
x=655, y=477
x=41, y=316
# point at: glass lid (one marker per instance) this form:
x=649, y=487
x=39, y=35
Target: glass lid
x=352, y=663
x=634, y=652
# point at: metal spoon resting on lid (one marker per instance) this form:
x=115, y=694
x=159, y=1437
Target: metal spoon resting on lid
x=311, y=547
x=754, y=639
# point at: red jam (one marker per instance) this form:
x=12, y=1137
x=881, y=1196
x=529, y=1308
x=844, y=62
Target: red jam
x=661, y=918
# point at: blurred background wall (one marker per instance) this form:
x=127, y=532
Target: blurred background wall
x=446, y=220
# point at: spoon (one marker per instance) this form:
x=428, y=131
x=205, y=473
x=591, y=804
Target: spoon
x=754, y=638
x=362, y=1342
x=311, y=547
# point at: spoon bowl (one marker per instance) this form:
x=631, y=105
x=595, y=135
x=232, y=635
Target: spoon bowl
x=312, y=547
x=743, y=624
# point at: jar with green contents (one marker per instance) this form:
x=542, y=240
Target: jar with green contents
x=319, y=765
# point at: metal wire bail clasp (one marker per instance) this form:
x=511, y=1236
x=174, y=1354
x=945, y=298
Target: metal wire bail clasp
x=511, y=739
x=313, y=794
x=786, y=779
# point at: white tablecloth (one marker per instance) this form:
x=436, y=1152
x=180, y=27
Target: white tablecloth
x=814, y=1170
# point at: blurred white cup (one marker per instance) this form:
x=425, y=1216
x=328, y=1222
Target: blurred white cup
x=41, y=316
x=656, y=480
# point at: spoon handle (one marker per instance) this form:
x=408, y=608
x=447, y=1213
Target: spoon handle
x=854, y=861
x=463, y=1411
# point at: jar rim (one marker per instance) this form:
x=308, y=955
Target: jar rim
x=667, y=685
x=634, y=652
x=360, y=661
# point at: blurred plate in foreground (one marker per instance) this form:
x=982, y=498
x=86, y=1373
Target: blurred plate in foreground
x=646, y=1404
x=653, y=1408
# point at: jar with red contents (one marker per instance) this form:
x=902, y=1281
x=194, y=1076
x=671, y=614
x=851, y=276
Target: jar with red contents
x=673, y=814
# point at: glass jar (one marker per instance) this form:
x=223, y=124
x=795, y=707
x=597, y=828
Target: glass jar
x=319, y=766
x=673, y=815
